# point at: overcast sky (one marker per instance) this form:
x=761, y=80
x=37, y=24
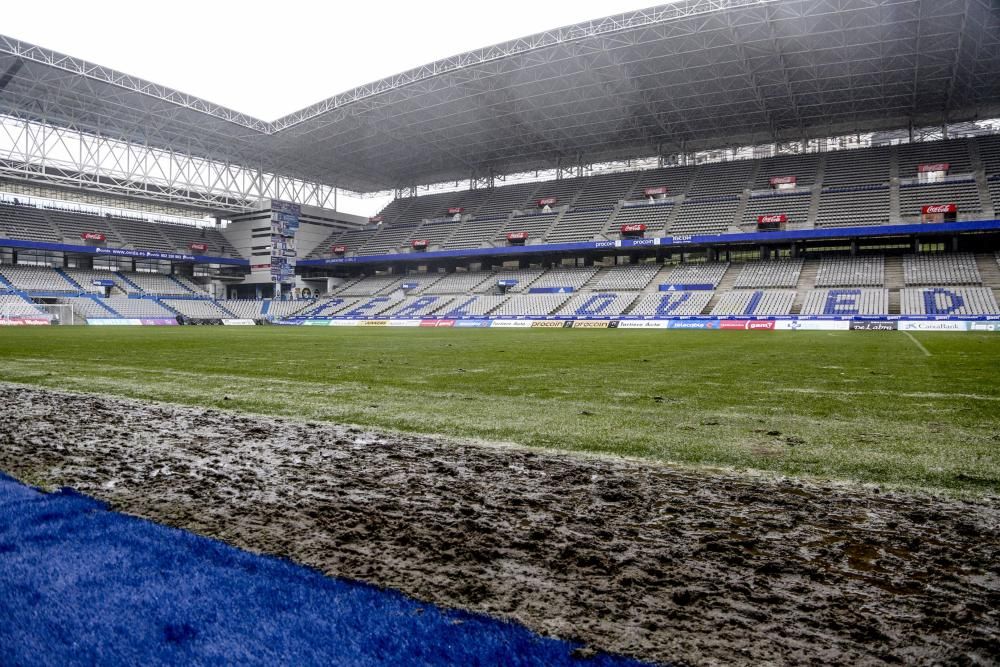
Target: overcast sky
x=271, y=58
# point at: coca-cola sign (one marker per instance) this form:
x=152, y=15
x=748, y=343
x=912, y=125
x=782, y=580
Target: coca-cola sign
x=547, y=201
x=517, y=236
x=455, y=210
x=652, y=192
x=199, y=247
x=634, y=228
x=419, y=243
x=939, y=208
x=935, y=166
x=772, y=219
x=784, y=180
x=376, y=218
x=339, y=249
x=93, y=236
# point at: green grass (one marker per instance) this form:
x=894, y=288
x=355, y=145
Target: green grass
x=863, y=406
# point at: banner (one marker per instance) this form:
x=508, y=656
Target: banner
x=931, y=167
x=24, y=321
x=239, y=323
x=93, y=236
x=376, y=218
x=547, y=201
x=550, y=290
x=339, y=249
x=591, y=324
x=653, y=192
x=748, y=325
x=517, y=236
x=103, y=283
x=419, y=244
x=507, y=282
x=942, y=325
x=455, y=210
x=198, y=247
x=783, y=180
x=687, y=287
x=637, y=229
x=284, y=225
x=693, y=324
x=939, y=208
x=873, y=325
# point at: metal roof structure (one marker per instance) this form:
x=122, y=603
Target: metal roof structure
x=689, y=75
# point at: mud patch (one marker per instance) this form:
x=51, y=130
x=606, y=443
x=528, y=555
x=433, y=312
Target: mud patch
x=659, y=563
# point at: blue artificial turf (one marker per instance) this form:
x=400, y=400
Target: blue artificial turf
x=80, y=584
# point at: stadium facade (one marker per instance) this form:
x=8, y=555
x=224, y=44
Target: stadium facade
x=696, y=163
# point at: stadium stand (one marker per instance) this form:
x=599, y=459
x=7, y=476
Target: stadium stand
x=852, y=206
x=707, y=273
x=370, y=285
x=535, y=224
x=948, y=269
x=89, y=307
x=955, y=152
x=137, y=308
x=794, y=204
x=460, y=282
x=605, y=189
x=523, y=279
x=672, y=304
x=474, y=233
x=782, y=273
x=85, y=279
x=26, y=223
x=964, y=193
x=141, y=234
x=388, y=240
x=579, y=225
x=569, y=278
x=473, y=305
x=846, y=302
x=197, y=308
x=531, y=304
x=705, y=216
x=948, y=301
x=71, y=225
x=154, y=283
x=330, y=306
x=418, y=306
x=846, y=168
x=627, y=277
x=14, y=305
x=37, y=279
x=803, y=166
x=653, y=215
x=598, y=304
x=757, y=302
x=863, y=271
x=721, y=178
x=373, y=306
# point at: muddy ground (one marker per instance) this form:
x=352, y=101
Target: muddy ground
x=636, y=558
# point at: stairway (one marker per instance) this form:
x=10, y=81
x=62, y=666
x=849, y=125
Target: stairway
x=67, y=278
x=725, y=285
x=989, y=269
x=807, y=281
x=894, y=281
x=128, y=282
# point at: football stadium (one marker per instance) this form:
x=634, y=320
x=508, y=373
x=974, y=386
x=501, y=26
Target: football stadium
x=670, y=337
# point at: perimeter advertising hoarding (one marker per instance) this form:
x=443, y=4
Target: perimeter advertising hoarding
x=873, y=325
x=942, y=325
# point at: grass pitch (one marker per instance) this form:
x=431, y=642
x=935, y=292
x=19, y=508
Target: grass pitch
x=863, y=406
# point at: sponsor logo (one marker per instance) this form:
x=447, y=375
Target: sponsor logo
x=933, y=326
x=339, y=249
x=748, y=325
x=680, y=239
x=985, y=326
x=643, y=324
x=866, y=325
x=636, y=242
x=199, y=247
x=481, y=324
x=940, y=208
x=23, y=321
x=633, y=228
x=783, y=180
x=376, y=218
x=812, y=325
x=511, y=324
x=92, y=236
x=419, y=243
x=238, y=323
x=547, y=201
x=933, y=166
x=696, y=324
x=374, y=323
x=550, y=324
x=584, y=324
x=771, y=219
x=604, y=244
x=517, y=236
x=651, y=192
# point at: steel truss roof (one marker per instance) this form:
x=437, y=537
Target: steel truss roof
x=691, y=75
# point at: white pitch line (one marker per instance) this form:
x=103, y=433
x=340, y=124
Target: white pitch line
x=917, y=343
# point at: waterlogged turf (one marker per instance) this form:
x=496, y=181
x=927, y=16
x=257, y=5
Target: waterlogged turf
x=864, y=406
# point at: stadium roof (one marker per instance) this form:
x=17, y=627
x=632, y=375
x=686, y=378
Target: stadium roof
x=690, y=75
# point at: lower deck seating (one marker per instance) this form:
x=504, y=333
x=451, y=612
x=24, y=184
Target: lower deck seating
x=948, y=301
x=672, y=304
x=138, y=308
x=13, y=305
x=756, y=302
x=862, y=271
x=36, y=279
x=200, y=309
x=946, y=269
x=459, y=282
x=627, y=277
x=531, y=304
x=418, y=306
x=471, y=306
x=781, y=273
x=598, y=304
x=706, y=273
x=846, y=301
